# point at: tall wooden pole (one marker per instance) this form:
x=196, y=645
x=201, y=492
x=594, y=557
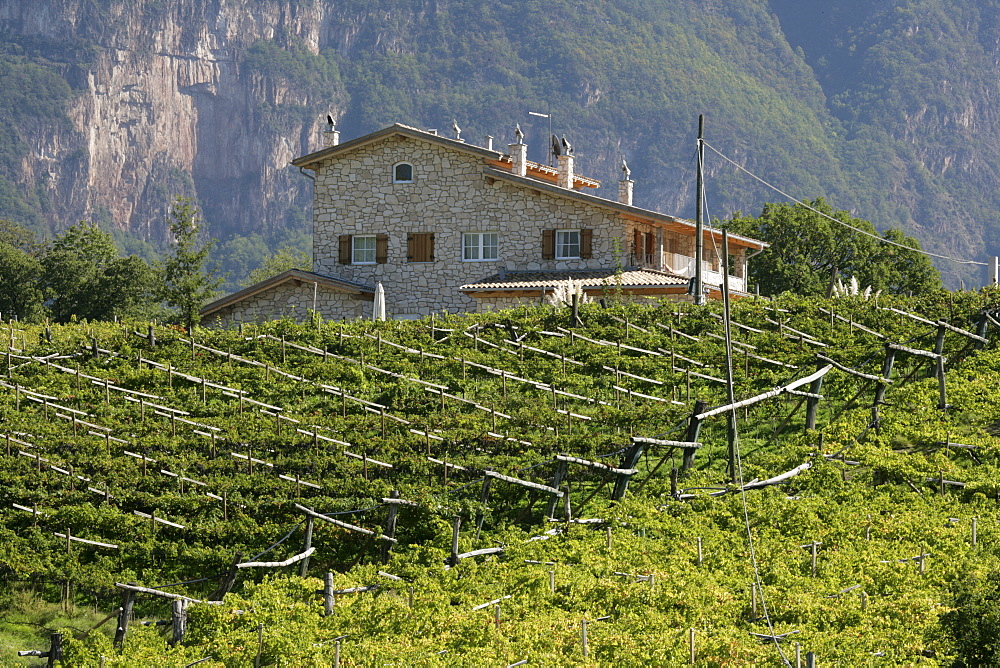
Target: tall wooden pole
x=730, y=391
x=699, y=287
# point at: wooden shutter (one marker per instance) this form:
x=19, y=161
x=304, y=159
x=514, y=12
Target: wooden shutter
x=637, y=243
x=381, y=248
x=586, y=244
x=345, y=249
x=420, y=247
x=548, y=244
x=650, y=244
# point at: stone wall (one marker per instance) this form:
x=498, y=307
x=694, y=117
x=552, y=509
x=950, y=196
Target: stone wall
x=288, y=300
x=354, y=194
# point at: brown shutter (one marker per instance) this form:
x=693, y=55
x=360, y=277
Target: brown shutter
x=345, y=249
x=381, y=248
x=420, y=247
x=650, y=244
x=548, y=244
x=586, y=244
x=637, y=243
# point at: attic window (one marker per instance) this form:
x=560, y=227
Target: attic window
x=402, y=172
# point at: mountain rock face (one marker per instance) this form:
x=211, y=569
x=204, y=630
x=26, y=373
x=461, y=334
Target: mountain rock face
x=167, y=105
x=110, y=107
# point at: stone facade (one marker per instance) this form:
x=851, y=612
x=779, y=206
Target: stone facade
x=292, y=299
x=449, y=196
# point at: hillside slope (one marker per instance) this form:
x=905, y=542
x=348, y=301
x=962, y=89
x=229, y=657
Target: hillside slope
x=212, y=98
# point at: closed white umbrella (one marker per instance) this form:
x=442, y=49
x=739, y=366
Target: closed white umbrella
x=378, y=306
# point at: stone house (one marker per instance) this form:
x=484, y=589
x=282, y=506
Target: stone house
x=445, y=224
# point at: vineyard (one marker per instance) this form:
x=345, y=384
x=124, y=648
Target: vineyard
x=510, y=488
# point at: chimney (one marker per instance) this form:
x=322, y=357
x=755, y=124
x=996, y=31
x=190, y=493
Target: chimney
x=565, y=171
x=331, y=138
x=489, y=142
x=519, y=155
x=625, y=191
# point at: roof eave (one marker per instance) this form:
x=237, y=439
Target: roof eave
x=588, y=198
x=309, y=160
x=278, y=279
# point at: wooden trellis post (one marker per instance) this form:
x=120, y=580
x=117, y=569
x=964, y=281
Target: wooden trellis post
x=890, y=357
x=484, y=496
x=557, y=479
x=306, y=544
x=628, y=461
x=228, y=580
x=390, y=524
x=456, y=526
x=812, y=403
x=694, y=427
x=178, y=622
x=124, y=613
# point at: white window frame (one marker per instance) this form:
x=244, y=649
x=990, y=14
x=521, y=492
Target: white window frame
x=358, y=251
x=478, y=247
x=562, y=244
x=398, y=165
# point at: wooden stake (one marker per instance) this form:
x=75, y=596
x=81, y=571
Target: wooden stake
x=306, y=544
x=456, y=525
x=329, y=598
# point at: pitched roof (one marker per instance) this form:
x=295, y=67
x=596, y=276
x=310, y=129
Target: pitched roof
x=589, y=278
x=336, y=284
x=497, y=158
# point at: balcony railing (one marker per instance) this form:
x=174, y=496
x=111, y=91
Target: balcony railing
x=683, y=265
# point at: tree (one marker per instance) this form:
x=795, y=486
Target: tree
x=20, y=295
x=282, y=260
x=84, y=276
x=186, y=283
x=806, y=247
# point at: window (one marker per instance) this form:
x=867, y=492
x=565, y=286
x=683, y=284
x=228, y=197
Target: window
x=480, y=246
x=420, y=247
x=402, y=173
x=567, y=244
x=363, y=249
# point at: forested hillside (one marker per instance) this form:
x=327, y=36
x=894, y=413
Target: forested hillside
x=885, y=109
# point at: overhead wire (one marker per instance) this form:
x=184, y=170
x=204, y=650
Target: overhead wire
x=839, y=222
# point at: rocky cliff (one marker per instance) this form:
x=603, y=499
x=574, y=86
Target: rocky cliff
x=168, y=104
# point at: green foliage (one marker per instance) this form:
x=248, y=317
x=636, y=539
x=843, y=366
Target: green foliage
x=84, y=277
x=974, y=623
x=503, y=415
x=186, y=285
x=282, y=260
x=806, y=247
x=20, y=272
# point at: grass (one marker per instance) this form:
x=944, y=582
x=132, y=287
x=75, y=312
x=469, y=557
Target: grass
x=28, y=620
